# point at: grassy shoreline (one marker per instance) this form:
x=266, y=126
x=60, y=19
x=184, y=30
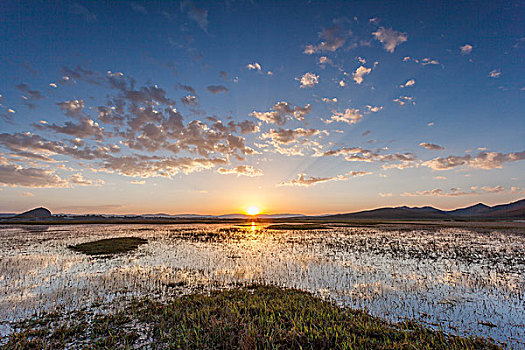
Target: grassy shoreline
x=242, y=318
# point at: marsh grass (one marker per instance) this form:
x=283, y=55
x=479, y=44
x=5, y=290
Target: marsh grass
x=109, y=246
x=298, y=227
x=243, y=318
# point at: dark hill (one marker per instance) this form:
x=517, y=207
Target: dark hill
x=400, y=213
x=35, y=213
x=473, y=210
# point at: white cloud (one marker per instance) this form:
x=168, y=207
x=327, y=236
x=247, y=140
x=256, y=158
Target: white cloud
x=390, y=38
x=241, y=170
x=280, y=111
x=466, y=49
x=374, y=109
x=308, y=80
x=431, y=146
x=350, y=116
x=329, y=100
x=404, y=100
x=360, y=73
x=484, y=160
x=495, y=73
x=409, y=83
x=254, y=66
x=306, y=181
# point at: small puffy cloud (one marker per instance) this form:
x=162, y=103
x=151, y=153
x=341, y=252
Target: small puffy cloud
x=385, y=195
x=409, y=83
x=422, y=61
x=390, y=38
x=241, y=170
x=404, y=100
x=455, y=192
x=431, y=146
x=430, y=124
x=29, y=94
x=342, y=83
x=138, y=182
x=495, y=73
x=187, y=88
x=53, y=85
x=484, y=160
x=359, y=73
x=466, y=49
x=332, y=39
x=216, y=89
x=254, y=66
x=199, y=15
x=78, y=179
x=323, y=60
x=280, y=111
x=329, y=100
x=350, y=116
x=306, y=181
x=189, y=100
x=374, y=109
x=287, y=136
x=308, y=80
x=73, y=108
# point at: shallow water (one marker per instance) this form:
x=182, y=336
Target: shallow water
x=464, y=281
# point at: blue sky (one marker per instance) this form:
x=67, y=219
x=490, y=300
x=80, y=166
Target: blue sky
x=210, y=107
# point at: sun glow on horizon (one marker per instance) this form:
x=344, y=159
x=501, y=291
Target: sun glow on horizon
x=253, y=210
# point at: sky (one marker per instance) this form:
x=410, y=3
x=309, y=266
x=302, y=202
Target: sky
x=306, y=107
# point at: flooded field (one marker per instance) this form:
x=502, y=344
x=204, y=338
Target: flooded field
x=460, y=280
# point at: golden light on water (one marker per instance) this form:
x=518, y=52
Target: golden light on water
x=253, y=210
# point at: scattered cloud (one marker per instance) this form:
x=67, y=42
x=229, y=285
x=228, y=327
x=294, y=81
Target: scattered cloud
x=455, y=192
x=199, y=15
x=385, y=194
x=349, y=116
x=254, y=66
x=332, y=39
x=422, y=61
x=374, y=109
x=495, y=73
x=216, y=89
x=280, y=111
x=286, y=136
x=390, y=38
x=484, y=160
x=404, y=100
x=241, y=170
x=466, y=49
x=431, y=146
x=307, y=181
x=360, y=73
x=329, y=100
x=308, y=80
x=409, y=83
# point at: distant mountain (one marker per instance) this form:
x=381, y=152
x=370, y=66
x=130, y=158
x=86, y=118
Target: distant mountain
x=35, y=213
x=473, y=210
x=399, y=213
x=514, y=210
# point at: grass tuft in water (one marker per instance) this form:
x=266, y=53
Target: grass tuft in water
x=109, y=246
x=256, y=317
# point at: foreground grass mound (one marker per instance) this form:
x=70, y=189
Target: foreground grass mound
x=109, y=246
x=261, y=317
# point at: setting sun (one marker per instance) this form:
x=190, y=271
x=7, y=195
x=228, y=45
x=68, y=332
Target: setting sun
x=253, y=210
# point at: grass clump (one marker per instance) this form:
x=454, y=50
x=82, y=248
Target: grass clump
x=109, y=246
x=298, y=227
x=257, y=317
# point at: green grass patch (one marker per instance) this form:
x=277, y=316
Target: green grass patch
x=109, y=246
x=257, y=317
x=298, y=227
